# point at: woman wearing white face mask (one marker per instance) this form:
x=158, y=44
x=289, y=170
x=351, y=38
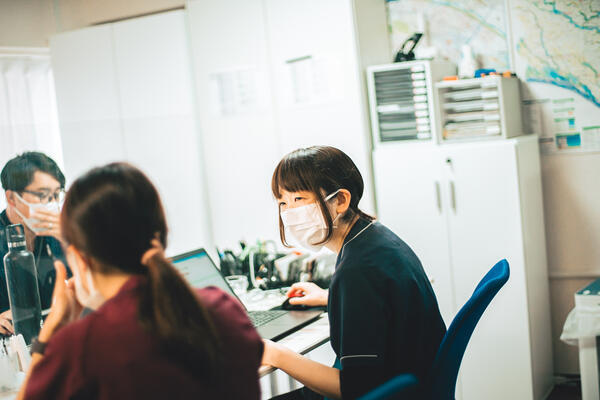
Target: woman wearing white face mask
x=384, y=317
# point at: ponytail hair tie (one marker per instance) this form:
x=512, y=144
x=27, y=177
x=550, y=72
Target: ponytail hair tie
x=156, y=249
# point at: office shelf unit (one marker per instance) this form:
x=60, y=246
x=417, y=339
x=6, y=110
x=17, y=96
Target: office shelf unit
x=488, y=107
x=401, y=99
x=462, y=207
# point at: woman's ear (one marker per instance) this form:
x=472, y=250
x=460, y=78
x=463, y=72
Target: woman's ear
x=343, y=198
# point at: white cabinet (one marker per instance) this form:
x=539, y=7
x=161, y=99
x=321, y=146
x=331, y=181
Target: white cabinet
x=272, y=76
x=125, y=93
x=318, y=75
x=488, y=207
x=409, y=200
x=87, y=98
x=237, y=124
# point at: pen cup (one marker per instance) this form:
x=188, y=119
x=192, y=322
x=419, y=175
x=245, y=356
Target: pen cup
x=239, y=283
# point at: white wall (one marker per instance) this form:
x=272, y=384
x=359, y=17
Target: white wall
x=572, y=215
x=30, y=23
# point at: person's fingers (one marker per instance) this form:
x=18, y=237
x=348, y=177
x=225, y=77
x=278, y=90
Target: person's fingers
x=71, y=283
x=46, y=214
x=298, y=300
x=301, y=285
x=61, y=276
x=295, y=292
x=6, y=326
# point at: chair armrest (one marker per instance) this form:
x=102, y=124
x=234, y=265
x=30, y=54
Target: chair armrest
x=403, y=387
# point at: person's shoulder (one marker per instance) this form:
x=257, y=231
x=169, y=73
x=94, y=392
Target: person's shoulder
x=380, y=253
x=222, y=307
x=70, y=339
x=234, y=329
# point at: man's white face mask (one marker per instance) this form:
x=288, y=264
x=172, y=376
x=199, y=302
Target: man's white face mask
x=306, y=226
x=89, y=298
x=31, y=222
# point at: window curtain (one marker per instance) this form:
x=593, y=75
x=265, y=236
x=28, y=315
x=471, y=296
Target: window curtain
x=28, y=113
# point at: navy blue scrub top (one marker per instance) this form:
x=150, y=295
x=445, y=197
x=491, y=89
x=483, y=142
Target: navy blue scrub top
x=383, y=313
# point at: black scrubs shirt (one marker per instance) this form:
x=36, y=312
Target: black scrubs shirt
x=384, y=317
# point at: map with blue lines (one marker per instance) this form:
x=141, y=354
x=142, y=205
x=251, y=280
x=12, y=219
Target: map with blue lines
x=449, y=24
x=559, y=43
x=555, y=42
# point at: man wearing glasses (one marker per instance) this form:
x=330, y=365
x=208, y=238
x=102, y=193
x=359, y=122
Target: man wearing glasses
x=34, y=188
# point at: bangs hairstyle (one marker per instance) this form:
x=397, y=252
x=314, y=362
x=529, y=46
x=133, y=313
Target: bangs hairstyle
x=320, y=170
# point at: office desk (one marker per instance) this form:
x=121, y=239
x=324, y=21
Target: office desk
x=311, y=341
x=304, y=340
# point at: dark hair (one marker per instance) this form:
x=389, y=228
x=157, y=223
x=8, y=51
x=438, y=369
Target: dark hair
x=112, y=213
x=321, y=170
x=17, y=174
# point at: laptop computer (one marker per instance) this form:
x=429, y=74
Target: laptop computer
x=200, y=271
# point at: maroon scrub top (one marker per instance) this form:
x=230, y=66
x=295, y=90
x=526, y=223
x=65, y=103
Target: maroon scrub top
x=107, y=355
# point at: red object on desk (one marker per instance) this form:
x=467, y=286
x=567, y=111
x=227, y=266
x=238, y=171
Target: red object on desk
x=295, y=293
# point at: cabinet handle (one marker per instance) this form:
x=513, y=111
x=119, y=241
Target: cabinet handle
x=453, y=196
x=438, y=196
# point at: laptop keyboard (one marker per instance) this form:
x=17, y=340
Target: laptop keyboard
x=260, y=318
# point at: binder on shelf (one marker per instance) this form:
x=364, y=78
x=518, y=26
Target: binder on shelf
x=478, y=108
x=401, y=99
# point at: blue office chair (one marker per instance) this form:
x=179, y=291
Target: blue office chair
x=441, y=384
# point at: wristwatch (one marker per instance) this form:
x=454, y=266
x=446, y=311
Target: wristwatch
x=37, y=346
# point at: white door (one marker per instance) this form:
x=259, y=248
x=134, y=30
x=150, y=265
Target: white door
x=316, y=80
x=484, y=225
x=87, y=98
x=235, y=108
x=409, y=202
x=160, y=134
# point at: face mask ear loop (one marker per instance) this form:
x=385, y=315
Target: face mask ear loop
x=329, y=197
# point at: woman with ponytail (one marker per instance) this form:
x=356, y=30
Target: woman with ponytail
x=151, y=336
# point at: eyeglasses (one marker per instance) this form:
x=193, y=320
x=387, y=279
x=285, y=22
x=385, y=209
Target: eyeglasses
x=46, y=197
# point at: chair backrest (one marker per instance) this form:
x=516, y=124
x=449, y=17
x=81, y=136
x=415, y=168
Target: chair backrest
x=442, y=381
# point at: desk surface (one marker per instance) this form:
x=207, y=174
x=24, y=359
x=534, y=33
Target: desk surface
x=304, y=340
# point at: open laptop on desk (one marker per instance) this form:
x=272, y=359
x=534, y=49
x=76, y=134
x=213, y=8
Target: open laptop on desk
x=200, y=271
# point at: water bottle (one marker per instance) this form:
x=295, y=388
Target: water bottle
x=21, y=279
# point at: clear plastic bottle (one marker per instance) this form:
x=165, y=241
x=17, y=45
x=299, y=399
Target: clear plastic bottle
x=21, y=279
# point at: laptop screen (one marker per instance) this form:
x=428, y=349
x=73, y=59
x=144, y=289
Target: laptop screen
x=199, y=271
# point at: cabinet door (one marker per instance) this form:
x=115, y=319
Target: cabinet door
x=316, y=76
x=235, y=108
x=159, y=125
x=409, y=202
x=87, y=98
x=484, y=222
